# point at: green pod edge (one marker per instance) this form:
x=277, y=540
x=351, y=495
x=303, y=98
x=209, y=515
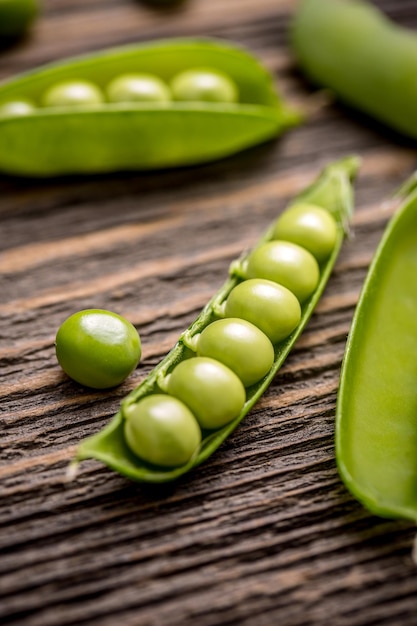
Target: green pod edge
x=376, y=424
x=110, y=137
x=368, y=61
x=333, y=191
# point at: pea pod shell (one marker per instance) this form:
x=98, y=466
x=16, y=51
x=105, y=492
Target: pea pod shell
x=376, y=425
x=16, y=16
x=334, y=191
x=111, y=137
x=368, y=61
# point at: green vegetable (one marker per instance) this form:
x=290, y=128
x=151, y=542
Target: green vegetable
x=211, y=390
x=271, y=307
x=97, y=348
x=16, y=16
x=332, y=191
x=365, y=59
x=140, y=135
x=286, y=263
x=162, y=431
x=17, y=107
x=204, y=85
x=310, y=227
x=72, y=93
x=376, y=425
x=240, y=345
x=138, y=88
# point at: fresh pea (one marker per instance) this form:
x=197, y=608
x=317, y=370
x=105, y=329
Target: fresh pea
x=97, y=348
x=212, y=391
x=62, y=140
x=72, y=93
x=240, y=345
x=138, y=88
x=17, y=107
x=16, y=16
x=285, y=263
x=309, y=226
x=162, y=431
x=332, y=191
x=368, y=61
x=271, y=307
x=376, y=426
x=204, y=85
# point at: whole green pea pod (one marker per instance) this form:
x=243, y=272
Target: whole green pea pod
x=107, y=136
x=376, y=425
x=368, y=61
x=332, y=192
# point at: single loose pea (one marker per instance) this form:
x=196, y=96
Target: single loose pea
x=269, y=306
x=285, y=263
x=73, y=93
x=97, y=348
x=161, y=430
x=138, y=88
x=309, y=226
x=240, y=345
x=211, y=390
x=204, y=85
x=17, y=107
x=16, y=16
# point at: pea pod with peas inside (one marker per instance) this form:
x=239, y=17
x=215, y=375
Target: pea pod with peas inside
x=369, y=62
x=376, y=425
x=210, y=390
x=144, y=106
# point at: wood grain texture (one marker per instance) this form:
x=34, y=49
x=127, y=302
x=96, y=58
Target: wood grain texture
x=264, y=532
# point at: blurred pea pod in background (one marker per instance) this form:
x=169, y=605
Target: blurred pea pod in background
x=98, y=139
x=16, y=16
x=366, y=60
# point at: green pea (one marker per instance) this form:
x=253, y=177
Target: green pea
x=240, y=345
x=309, y=226
x=16, y=16
x=73, y=93
x=211, y=390
x=17, y=107
x=161, y=430
x=285, y=263
x=138, y=88
x=274, y=309
x=204, y=85
x=97, y=348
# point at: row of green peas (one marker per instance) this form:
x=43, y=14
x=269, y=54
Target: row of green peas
x=235, y=351
x=192, y=85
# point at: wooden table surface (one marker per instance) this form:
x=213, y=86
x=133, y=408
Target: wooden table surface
x=264, y=532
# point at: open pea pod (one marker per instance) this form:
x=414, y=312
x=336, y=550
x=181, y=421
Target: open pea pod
x=107, y=137
x=376, y=419
x=332, y=191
